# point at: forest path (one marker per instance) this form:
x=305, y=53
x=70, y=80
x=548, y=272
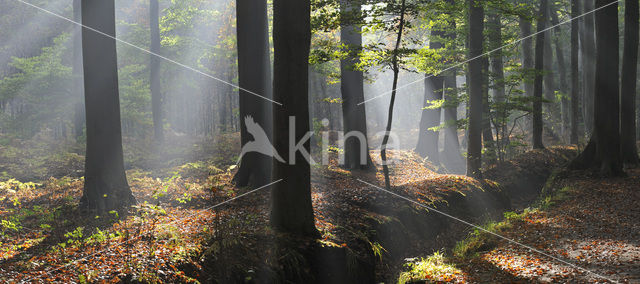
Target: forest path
x=594, y=224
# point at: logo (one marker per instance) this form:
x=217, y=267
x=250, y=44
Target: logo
x=261, y=144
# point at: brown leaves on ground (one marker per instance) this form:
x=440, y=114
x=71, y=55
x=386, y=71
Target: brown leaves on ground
x=594, y=229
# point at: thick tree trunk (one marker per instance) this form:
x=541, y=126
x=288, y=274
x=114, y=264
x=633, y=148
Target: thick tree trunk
x=428, y=139
x=537, y=86
x=356, y=147
x=291, y=209
x=154, y=69
x=588, y=63
x=106, y=186
x=628, y=86
x=487, y=130
x=451, y=156
x=78, y=84
x=603, y=150
x=427, y=146
x=254, y=75
x=575, y=73
x=476, y=38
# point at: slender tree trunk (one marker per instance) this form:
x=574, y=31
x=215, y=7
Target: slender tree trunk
x=537, y=86
x=254, y=75
x=476, y=38
x=396, y=71
x=497, y=69
x=154, y=68
x=527, y=53
x=603, y=150
x=428, y=141
x=628, y=86
x=562, y=72
x=106, y=186
x=78, y=84
x=575, y=73
x=551, y=108
x=588, y=64
x=291, y=208
x=356, y=149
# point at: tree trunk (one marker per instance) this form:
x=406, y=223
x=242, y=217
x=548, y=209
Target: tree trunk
x=396, y=71
x=356, y=149
x=291, y=209
x=527, y=53
x=575, y=73
x=588, y=58
x=497, y=69
x=451, y=156
x=428, y=146
x=106, y=186
x=550, y=108
x=78, y=84
x=603, y=150
x=476, y=38
x=628, y=85
x=487, y=130
x=562, y=72
x=254, y=75
x=537, y=86
x=154, y=69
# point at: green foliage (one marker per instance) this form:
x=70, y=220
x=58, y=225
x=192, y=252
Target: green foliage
x=434, y=267
x=40, y=90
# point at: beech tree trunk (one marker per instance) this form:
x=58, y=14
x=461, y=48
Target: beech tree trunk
x=497, y=64
x=603, y=151
x=356, y=150
x=428, y=140
x=537, y=86
x=575, y=73
x=628, y=86
x=154, y=68
x=254, y=75
x=291, y=208
x=527, y=53
x=78, y=84
x=106, y=186
x=588, y=63
x=562, y=72
x=476, y=38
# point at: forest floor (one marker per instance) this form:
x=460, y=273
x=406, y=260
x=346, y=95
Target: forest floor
x=588, y=229
x=187, y=227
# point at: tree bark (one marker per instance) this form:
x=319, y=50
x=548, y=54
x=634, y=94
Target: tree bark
x=588, y=58
x=78, y=84
x=106, y=186
x=291, y=208
x=476, y=38
x=575, y=73
x=537, y=86
x=628, y=85
x=603, y=150
x=396, y=71
x=254, y=75
x=356, y=151
x=154, y=69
